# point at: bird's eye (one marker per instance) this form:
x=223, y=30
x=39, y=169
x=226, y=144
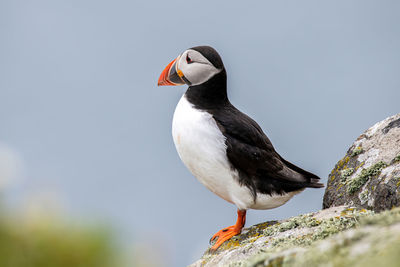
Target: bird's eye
x=188, y=59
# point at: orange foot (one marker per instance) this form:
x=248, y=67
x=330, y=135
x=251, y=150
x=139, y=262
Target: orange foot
x=228, y=232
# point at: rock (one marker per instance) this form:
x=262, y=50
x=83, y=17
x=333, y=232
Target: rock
x=369, y=174
x=338, y=236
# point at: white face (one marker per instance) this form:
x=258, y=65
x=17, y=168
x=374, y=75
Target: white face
x=195, y=67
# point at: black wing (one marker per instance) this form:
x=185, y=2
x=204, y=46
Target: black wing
x=250, y=151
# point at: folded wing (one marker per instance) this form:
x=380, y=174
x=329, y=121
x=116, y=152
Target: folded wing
x=250, y=151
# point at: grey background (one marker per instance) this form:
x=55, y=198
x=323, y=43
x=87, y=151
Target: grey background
x=79, y=102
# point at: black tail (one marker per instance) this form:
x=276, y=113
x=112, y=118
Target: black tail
x=314, y=183
x=312, y=179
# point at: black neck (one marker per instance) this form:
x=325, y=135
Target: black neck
x=209, y=95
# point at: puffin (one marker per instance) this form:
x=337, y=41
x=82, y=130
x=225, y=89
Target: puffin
x=222, y=147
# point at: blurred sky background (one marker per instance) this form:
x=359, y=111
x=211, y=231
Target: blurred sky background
x=85, y=130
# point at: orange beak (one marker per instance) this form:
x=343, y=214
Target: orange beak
x=170, y=75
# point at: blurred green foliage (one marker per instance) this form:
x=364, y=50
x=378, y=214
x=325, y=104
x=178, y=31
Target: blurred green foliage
x=44, y=242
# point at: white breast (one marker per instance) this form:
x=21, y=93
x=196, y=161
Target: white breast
x=201, y=146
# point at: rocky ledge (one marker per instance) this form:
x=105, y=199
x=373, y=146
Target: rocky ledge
x=360, y=222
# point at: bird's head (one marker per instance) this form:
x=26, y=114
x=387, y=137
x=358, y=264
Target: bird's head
x=195, y=66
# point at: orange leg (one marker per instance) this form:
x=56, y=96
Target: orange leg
x=228, y=232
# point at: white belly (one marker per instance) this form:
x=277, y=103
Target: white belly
x=201, y=146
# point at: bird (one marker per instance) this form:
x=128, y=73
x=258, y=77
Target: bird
x=226, y=150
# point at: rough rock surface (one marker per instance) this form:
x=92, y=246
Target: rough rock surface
x=338, y=236
x=369, y=174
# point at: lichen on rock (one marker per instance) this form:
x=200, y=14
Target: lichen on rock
x=367, y=176
x=344, y=174
x=356, y=151
x=355, y=184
